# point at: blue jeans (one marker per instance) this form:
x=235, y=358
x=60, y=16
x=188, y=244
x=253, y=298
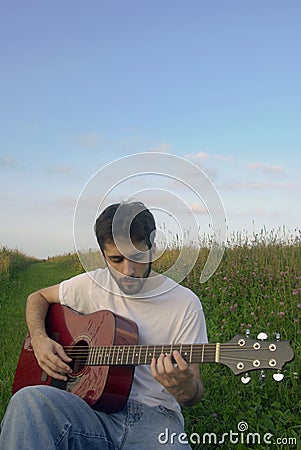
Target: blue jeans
x=46, y=418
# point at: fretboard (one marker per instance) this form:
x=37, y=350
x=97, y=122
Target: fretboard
x=143, y=354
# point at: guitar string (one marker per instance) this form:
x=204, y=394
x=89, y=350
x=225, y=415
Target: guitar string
x=147, y=349
x=119, y=356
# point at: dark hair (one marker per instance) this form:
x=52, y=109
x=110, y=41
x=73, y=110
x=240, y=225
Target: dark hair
x=130, y=218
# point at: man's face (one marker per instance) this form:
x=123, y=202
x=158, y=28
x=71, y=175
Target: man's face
x=129, y=264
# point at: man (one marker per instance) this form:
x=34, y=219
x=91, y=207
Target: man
x=44, y=417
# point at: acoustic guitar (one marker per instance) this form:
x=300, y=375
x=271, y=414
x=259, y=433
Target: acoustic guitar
x=104, y=350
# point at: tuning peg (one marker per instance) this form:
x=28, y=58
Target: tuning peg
x=278, y=376
x=277, y=336
x=262, y=336
x=245, y=379
x=261, y=376
x=248, y=333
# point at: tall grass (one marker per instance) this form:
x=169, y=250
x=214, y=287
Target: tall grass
x=12, y=261
x=257, y=286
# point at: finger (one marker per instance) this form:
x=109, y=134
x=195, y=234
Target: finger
x=54, y=374
x=53, y=362
x=153, y=367
x=62, y=354
x=161, y=364
x=52, y=369
x=182, y=364
x=169, y=367
x=157, y=367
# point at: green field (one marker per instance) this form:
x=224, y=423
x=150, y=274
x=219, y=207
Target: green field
x=257, y=286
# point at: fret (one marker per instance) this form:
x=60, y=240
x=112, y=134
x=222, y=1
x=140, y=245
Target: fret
x=122, y=354
x=185, y=352
x=100, y=355
x=128, y=354
x=133, y=353
x=95, y=357
x=136, y=354
x=108, y=352
x=92, y=356
x=154, y=352
x=165, y=351
x=146, y=355
x=117, y=359
x=217, y=350
x=139, y=357
x=191, y=350
x=112, y=353
x=203, y=350
x=89, y=358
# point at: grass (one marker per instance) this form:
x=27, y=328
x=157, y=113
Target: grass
x=15, y=288
x=11, y=261
x=257, y=286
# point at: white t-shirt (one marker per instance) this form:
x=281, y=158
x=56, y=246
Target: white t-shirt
x=169, y=314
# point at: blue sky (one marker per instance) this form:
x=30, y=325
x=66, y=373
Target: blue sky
x=87, y=83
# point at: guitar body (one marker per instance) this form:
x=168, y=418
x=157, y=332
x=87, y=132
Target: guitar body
x=104, y=388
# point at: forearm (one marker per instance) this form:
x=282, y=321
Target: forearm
x=192, y=397
x=37, y=308
x=50, y=354
x=36, y=311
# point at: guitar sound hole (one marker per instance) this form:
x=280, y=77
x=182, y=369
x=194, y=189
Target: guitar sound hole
x=79, y=355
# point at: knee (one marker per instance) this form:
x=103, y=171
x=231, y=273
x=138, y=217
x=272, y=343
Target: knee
x=23, y=395
x=28, y=396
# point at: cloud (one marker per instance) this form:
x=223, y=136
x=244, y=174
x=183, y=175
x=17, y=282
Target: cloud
x=200, y=156
x=89, y=140
x=265, y=167
x=60, y=169
x=205, y=156
x=7, y=162
x=260, y=185
x=198, y=209
x=162, y=148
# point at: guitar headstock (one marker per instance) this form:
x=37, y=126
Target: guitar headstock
x=243, y=354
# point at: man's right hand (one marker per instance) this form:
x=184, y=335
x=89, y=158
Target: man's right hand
x=51, y=357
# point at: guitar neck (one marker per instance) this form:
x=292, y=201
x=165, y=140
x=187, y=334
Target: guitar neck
x=142, y=354
x=240, y=354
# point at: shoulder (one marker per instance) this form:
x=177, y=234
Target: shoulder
x=183, y=295
x=85, y=279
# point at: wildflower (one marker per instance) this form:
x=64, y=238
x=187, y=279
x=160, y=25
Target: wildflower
x=280, y=314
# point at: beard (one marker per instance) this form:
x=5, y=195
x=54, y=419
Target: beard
x=131, y=285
